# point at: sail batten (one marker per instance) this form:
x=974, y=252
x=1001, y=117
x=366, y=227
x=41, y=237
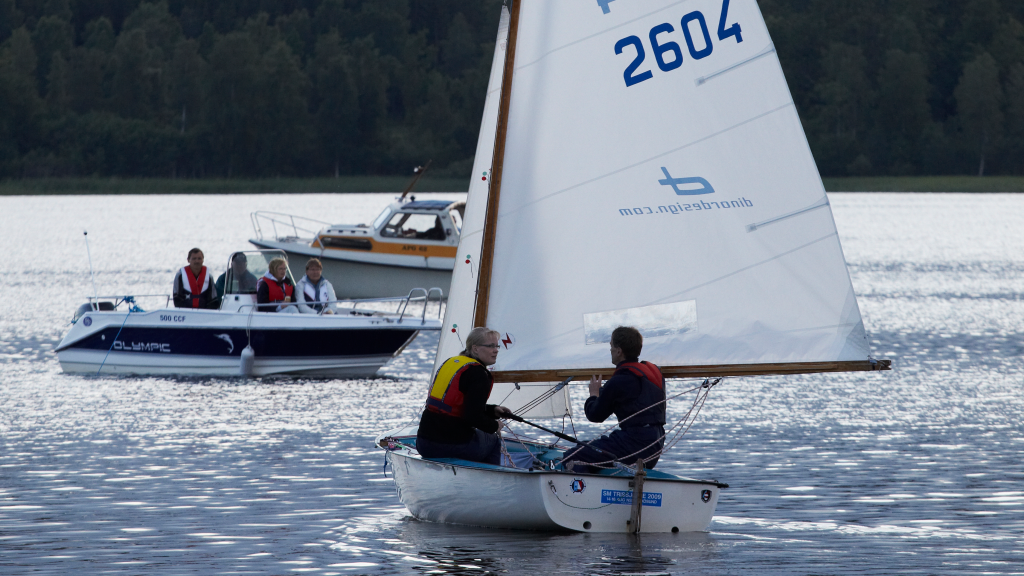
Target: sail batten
x=768, y=50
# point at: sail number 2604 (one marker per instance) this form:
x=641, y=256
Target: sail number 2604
x=667, y=53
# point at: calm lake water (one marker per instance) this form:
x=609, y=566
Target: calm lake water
x=915, y=471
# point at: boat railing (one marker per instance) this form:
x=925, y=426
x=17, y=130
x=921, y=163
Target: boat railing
x=121, y=298
x=104, y=304
x=287, y=222
x=359, y=306
x=426, y=300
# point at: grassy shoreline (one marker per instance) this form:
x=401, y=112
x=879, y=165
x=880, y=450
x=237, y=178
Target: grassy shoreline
x=343, y=185
x=393, y=184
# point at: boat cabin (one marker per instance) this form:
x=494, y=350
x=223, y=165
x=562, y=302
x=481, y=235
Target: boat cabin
x=421, y=228
x=411, y=244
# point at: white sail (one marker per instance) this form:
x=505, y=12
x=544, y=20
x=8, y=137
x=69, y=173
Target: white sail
x=458, y=315
x=458, y=319
x=656, y=174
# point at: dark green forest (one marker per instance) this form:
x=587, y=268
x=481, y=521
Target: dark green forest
x=313, y=88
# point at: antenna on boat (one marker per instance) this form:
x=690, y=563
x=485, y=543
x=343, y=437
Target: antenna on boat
x=419, y=171
x=92, y=274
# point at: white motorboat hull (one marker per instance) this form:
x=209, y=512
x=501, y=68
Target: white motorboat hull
x=189, y=342
x=370, y=275
x=457, y=492
x=79, y=362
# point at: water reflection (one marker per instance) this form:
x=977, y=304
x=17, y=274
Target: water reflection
x=427, y=548
x=918, y=469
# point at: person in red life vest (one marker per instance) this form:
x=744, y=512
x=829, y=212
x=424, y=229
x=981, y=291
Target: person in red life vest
x=458, y=422
x=275, y=288
x=193, y=284
x=636, y=391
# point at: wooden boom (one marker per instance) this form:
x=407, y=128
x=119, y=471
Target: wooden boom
x=712, y=370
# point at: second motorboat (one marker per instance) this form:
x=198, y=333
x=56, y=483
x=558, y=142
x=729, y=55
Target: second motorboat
x=411, y=244
x=114, y=335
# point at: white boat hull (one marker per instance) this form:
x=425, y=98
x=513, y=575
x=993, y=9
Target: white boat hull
x=370, y=275
x=454, y=493
x=188, y=342
x=90, y=362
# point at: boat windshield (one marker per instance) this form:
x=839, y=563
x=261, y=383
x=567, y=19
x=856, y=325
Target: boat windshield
x=420, y=226
x=382, y=218
x=456, y=217
x=245, y=269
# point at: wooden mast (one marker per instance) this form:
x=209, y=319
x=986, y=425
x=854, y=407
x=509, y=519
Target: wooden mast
x=483, y=287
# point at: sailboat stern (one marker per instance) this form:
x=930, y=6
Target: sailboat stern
x=595, y=503
x=446, y=492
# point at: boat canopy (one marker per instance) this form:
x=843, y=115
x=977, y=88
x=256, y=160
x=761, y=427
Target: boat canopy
x=427, y=205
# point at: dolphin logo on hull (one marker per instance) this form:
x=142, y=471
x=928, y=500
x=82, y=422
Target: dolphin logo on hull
x=227, y=339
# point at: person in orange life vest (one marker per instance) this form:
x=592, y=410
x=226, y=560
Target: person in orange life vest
x=275, y=289
x=457, y=422
x=635, y=391
x=193, y=284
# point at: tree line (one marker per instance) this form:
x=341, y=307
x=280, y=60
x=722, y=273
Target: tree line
x=269, y=88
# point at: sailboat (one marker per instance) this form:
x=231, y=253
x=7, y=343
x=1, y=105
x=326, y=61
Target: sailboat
x=648, y=169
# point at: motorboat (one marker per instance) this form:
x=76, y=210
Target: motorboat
x=411, y=244
x=705, y=226
x=114, y=335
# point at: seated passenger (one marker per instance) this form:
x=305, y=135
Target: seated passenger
x=457, y=422
x=193, y=287
x=315, y=288
x=243, y=281
x=435, y=233
x=636, y=395
x=275, y=289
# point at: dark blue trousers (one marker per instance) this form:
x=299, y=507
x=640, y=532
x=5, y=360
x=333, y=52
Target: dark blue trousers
x=482, y=447
x=620, y=443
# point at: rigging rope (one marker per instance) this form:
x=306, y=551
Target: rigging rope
x=131, y=308
x=676, y=431
x=698, y=403
x=679, y=428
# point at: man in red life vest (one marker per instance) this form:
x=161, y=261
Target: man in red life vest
x=636, y=395
x=457, y=422
x=193, y=285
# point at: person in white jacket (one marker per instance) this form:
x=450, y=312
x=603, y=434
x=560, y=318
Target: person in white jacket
x=314, y=292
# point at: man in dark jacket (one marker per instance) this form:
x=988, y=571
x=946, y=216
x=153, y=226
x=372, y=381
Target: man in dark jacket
x=458, y=422
x=636, y=395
